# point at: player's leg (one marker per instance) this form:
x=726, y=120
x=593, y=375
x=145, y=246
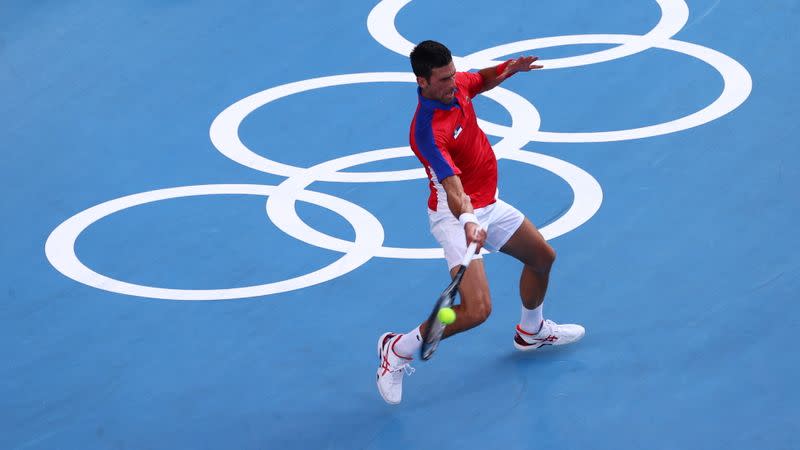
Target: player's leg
x=537, y=256
x=396, y=351
x=528, y=246
x=475, y=304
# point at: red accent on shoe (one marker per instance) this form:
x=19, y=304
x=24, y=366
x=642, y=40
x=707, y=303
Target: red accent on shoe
x=520, y=330
x=397, y=354
x=537, y=341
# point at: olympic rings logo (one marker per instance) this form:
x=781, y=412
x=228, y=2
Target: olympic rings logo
x=369, y=232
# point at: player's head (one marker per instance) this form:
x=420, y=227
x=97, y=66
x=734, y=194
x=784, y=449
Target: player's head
x=428, y=55
x=433, y=65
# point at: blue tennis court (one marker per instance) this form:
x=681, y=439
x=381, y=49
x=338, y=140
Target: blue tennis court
x=211, y=213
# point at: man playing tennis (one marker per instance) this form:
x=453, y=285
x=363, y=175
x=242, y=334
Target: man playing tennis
x=463, y=207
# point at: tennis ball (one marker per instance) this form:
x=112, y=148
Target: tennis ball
x=447, y=316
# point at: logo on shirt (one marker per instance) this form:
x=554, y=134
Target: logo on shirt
x=456, y=133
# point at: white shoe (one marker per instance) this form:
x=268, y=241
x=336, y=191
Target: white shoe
x=550, y=333
x=391, y=369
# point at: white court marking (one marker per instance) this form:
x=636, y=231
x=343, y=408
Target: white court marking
x=368, y=243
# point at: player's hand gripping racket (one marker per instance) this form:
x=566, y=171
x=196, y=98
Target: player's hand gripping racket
x=434, y=327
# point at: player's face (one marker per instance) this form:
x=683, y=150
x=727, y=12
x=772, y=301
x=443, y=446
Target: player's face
x=441, y=85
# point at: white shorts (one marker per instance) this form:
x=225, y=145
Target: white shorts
x=500, y=220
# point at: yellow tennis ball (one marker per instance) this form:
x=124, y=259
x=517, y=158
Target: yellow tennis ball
x=446, y=316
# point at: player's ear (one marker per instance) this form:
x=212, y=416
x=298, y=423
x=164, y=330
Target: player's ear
x=422, y=82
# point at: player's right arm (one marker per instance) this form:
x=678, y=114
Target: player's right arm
x=461, y=206
x=433, y=147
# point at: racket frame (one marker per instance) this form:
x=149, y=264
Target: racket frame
x=434, y=329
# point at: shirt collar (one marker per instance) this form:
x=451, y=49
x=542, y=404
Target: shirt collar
x=436, y=104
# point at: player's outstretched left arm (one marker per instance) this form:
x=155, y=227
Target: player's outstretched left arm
x=493, y=76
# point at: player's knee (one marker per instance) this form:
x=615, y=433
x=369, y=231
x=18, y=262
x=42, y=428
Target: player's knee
x=544, y=259
x=481, y=313
x=550, y=256
x=480, y=310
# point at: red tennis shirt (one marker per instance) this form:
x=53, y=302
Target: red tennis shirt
x=447, y=141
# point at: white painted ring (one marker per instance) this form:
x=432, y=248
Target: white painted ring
x=674, y=15
x=737, y=87
x=60, y=245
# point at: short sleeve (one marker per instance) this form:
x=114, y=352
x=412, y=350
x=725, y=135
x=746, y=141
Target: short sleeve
x=470, y=82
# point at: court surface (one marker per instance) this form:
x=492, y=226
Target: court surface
x=210, y=215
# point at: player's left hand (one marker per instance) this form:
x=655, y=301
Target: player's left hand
x=522, y=64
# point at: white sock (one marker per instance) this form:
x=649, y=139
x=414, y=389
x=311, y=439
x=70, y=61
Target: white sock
x=408, y=344
x=531, y=321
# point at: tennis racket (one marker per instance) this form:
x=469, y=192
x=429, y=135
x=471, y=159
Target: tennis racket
x=435, y=328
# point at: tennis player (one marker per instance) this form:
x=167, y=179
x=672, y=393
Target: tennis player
x=463, y=207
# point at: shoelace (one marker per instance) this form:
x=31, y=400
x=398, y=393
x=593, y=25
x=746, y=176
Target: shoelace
x=406, y=367
x=397, y=374
x=395, y=371
x=551, y=331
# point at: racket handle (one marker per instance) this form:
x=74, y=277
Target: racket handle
x=469, y=254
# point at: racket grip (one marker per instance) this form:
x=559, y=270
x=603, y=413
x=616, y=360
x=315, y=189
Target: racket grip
x=469, y=254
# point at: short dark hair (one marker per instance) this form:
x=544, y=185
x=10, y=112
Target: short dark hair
x=428, y=55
